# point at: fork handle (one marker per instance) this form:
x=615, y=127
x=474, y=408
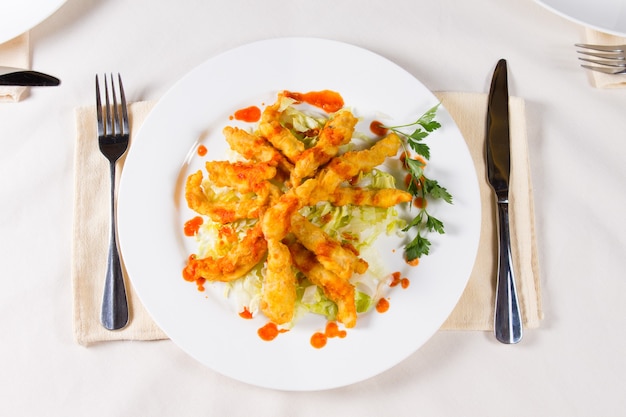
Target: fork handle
x=114, y=314
x=507, y=317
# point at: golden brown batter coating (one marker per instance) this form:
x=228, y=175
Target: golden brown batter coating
x=282, y=236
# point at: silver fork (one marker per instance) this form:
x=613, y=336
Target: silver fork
x=612, y=58
x=113, y=136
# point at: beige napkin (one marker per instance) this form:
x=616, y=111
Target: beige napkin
x=599, y=79
x=475, y=309
x=15, y=53
x=90, y=235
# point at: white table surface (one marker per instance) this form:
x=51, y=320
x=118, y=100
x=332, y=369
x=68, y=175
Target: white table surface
x=573, y=365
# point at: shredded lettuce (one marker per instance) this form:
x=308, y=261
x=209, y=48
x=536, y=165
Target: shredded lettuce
x=363, y=302
x=311, y=299
x=301, y=123
x=359, y=226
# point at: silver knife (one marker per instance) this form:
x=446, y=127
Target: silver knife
x=26, y=78
x=507, y=317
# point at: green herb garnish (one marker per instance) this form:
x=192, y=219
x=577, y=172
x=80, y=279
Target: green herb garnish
x=422, y=188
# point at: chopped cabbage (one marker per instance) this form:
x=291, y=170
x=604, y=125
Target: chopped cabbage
x=358, y=225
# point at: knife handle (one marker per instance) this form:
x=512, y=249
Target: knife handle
x=507, y=317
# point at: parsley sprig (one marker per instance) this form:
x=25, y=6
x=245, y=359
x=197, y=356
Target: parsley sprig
x=420, y=186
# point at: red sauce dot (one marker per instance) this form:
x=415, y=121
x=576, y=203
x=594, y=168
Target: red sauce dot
x=378, y=128
x=404, y=283
x=332, y=330
x=395, y=279
x=407, y=180
x=382, y=305
x=327, y=100
x=202, y=150
x=191, y=226
x=414, y=262
x=249, y=114
x=190, y=270
x=200, y=283
x=420, y=202
x=270, y=331
x=245, y=314
x=318, y=340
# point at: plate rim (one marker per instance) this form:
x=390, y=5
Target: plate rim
x=326, y=42
x=26, y=19
x=579, y=19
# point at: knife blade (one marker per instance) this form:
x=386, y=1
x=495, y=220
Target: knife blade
x=507, y=317
x=26, y=78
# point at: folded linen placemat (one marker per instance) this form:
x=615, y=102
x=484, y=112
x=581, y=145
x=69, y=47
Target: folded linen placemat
x=599, y=79
x=475, y=309
x=15, y=53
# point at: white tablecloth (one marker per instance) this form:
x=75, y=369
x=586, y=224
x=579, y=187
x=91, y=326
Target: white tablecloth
x=572, y=365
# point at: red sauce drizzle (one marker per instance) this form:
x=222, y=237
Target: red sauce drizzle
x=245, y=314
x=270, y=331
x=200, y=283
x=332, y=330
x=188, y=271
x=382, y=305
x=202, y=150
x=420, y=202
x=395, y=279
x=407, y=180
x=327, y=100
x=378, y=128
x=319, y=339
x=191, y=226
x=414, y=262
x=249, y=114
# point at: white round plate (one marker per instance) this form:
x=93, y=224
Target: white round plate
x=607, y=16
x=20, y=16
x=152, y=211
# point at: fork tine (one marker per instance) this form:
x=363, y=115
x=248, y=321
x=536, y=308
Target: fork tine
x=99, y=109
x=107, y=109
x=603, y=48
x=603, y=55
x=125, y=129
x=608, y=63
x=116, y=115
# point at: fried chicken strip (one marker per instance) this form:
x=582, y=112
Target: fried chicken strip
x=250, y=146
x=276, y=221
x=206, y=202
x=336, y=289
x=338, y=259
x=337, y=131
x=342, y=196
x=244, y=177
x=238, y=262
x=278, y=135
x=255, y=148
x=278, y=296
x=350, y=164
